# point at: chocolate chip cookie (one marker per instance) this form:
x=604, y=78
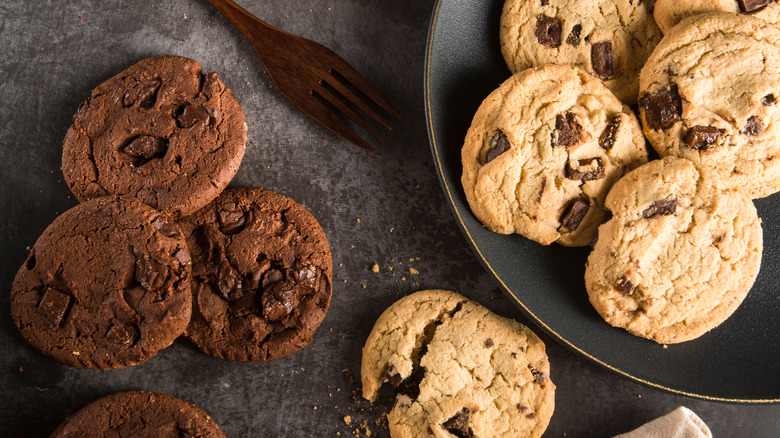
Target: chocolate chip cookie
x=607, y=38
x=105, y=286
x=668, y=13
x=139, y=414
x=459, y=370
x=543, y=150
x=709, y=93
x=161, y=131
x=261, y=275
x=679, y=254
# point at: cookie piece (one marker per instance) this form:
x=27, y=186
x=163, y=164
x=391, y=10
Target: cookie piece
x=542, y=152
x=161, y=131
x=668, y=13
x=709, y=94
x=678, y=256
x=105, y=286
x=460, y=369
x=261, y=275
x=137, y=414
x=610, y=39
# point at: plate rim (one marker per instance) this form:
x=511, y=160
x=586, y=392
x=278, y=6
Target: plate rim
x=507, y=291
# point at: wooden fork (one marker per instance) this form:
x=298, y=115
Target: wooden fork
x=311, y=76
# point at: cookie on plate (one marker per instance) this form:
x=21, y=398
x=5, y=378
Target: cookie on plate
x=105, y=286
x=139, y=414
x=261, y=269
x=460, y=369
x=161, y=131
x=678, y=256
x=610, y=39
x=668, y=13
x=543, y=150
x=709, y=93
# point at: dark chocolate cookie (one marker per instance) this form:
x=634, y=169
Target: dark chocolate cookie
x=161, y=131
x=105, y=286
x=139, y=414
x=261, y=275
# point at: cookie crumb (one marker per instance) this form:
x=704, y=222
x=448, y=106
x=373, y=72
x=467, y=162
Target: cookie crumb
x=348, y=420
x=375, y=267
x=358, y=220
x=413, y=271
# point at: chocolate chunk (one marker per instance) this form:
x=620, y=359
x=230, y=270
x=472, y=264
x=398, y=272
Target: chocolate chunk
x=54, y=305
x=279, y=300
x=568, y=130
x=272, y=276
x=609, y=135
x=601, y=57
x=662, y=108
x=458, y=425
x=489, y=343
x=145, y=148
x=392, y=376
x=702, y=137
x=548, y=30
x=754, y=126
x=191, y=115
x=143, y=93
x=574, y=213
x=624, y=286
x=769, y=99
x=521, y=408
x=574, y=36
x=588, y=169
x=539, y=377
x=663, y=207
x=229, y=282
x=498, y=145
x=165, y=227
x=121, y=333
x=747, y=6
x=545, y=2
x=149, y=273
x=308, y=277
x=211, y=85
x=231, y=219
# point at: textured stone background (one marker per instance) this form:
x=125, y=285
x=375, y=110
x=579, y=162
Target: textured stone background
x=385, y=208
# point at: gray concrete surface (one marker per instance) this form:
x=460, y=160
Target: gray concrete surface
x=385, y=208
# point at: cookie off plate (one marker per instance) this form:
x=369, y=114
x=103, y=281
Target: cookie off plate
x=735, y=362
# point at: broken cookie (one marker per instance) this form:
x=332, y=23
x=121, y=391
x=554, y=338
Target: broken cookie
x=476, y=374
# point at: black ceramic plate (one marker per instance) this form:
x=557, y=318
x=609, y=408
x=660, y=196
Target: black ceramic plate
x=739, y=361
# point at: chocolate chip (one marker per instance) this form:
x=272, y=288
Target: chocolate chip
x=279, y=300
x=54, y=305
x=211, y=85
x=539, y=377
x=121, y=333
x=489, y=343
x=624, y=286
x=165, y=227
x=662, y=108
x=568, y=131
x=149, y=273
x=574, y=36
x=664, y=207
x=747, y=6
x=191, y=115
x=145, y=148
x=545, y=2
x=548, y=30
x=521, y=408
x=458, y=425
x=609, y=135
x=231, y=221
x=530, y=415
x=308, y=277
x=143, y=93
x=602, y=59
x=588, y=169
x=498, y=145
x=754, y=126
x=391, y=376
x=229, y=282
x=702, y=137
x=272, y=276
x=574, y=213
x=769, y=99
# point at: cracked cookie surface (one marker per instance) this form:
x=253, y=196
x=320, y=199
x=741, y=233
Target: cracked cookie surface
x=261, y=275
x=542, y=151
x=678, y=256
x=610, y=39
x=668, y=13
x=461, y=370
x=139, y=414
x=161, y=131
x=105, y=286
x=709, y=93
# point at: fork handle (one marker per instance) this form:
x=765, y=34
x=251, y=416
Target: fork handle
x=247, y=24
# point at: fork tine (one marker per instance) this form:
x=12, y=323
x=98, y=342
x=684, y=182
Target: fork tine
x=345, y=92
x=341, y=107
x=315, y=109
x=343, y=68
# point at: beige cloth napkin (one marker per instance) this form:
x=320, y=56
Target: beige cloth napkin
x=680, y=423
